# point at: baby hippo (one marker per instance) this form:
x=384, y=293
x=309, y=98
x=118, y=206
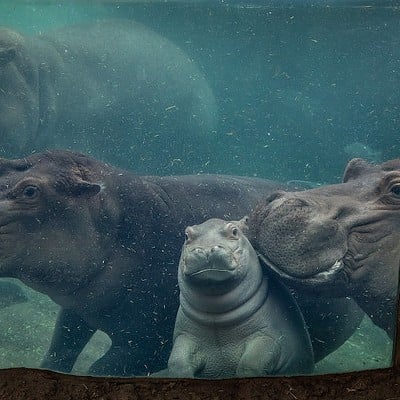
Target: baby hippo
x=233, y=320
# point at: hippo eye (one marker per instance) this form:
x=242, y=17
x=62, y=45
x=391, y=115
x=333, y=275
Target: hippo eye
x=188, y=236
x=235, y=231
x=395, y=189
x=232, y=231
x=30, y=192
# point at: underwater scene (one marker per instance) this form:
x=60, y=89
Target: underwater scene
x=204, y=189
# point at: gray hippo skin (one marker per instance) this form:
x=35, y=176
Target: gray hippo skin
x=99, y=87
x=104, y=243
x=232, y=319
x=338, y=240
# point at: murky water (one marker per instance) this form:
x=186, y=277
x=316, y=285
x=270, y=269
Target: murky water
x=278, y=90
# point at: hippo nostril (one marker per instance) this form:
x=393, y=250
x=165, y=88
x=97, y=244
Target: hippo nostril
x=199, y=252
x=321, y=232
x=342, y=212
x=215, y=248
x=274, y=196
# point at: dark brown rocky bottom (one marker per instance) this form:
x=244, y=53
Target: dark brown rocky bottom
x=37, y=384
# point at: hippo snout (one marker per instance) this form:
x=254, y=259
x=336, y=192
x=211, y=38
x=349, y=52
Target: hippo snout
x=291, y=231
x=216, y=255
x=207, y=252
x=202, y=260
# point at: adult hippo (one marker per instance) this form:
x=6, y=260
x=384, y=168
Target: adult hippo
x=338, y=240
x=111, y=88
x=233, y=320
x=104, y=244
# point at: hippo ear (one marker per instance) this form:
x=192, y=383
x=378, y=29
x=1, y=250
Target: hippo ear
x=84, y=189
x=75, y=186
x=7, y=55
x=355, y=168
x=243, y=225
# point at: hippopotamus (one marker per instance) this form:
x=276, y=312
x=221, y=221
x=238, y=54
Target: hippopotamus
x=338, y=240
x=103, y=243
x=111, y=88
x=233, y=320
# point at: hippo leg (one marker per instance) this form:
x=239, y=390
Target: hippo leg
x=128, y=358
x=119, y=360
x=185, y=361
x=71, y=334
x=261, y=357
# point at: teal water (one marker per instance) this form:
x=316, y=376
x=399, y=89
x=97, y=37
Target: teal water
x=300, y=89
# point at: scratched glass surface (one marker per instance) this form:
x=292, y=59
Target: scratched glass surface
x=288, y=91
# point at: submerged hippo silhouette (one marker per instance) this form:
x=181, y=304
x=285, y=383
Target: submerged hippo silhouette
x=112, y=88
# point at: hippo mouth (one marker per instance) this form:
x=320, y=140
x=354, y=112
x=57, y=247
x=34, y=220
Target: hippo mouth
x=219, y=265
x=326, y=276
x=214, y=271
x=210, y=273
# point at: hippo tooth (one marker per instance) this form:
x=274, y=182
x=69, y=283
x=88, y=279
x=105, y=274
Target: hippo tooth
x=338, y=265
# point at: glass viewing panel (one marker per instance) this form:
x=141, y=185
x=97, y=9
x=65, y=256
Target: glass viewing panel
x=125, y=252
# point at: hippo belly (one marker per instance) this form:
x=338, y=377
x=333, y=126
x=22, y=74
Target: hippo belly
x=264, y=344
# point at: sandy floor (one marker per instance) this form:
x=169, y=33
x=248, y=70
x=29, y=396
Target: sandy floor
x=26, y=330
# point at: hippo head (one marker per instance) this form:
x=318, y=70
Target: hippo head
x=341, y=239
x=216, y=254
x=19, y=93
x=47, y=226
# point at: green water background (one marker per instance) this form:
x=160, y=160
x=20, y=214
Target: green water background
x=300, y=91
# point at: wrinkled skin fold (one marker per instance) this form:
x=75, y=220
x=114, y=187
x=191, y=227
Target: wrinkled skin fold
x=339, y=240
